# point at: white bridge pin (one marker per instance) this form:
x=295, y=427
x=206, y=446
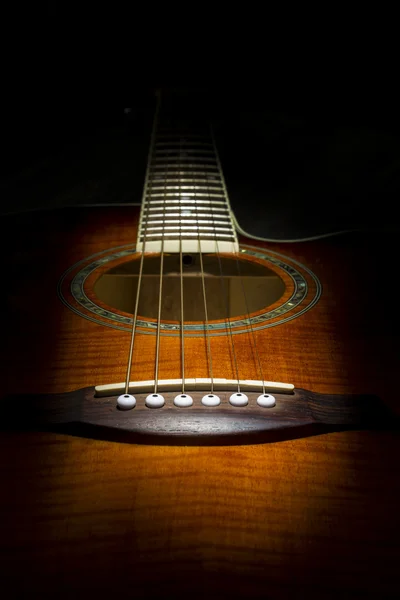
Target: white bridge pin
x=266, y=400
x=210, y=400
x=183, y=400
x=155, y=401
x=126, y=402
x=239, y=399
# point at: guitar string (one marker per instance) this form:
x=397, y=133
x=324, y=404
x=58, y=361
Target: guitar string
x=146, y=204
x=156, y=369
x=222, y=284
x=252, y=334
x=217, y=252
x=225, y=294
x=207, y=332
x=159, y=316
x=206, y=320
x=248, y=318
x=181, y=274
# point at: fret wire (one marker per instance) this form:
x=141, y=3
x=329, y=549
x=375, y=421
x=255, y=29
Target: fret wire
x=185, y=200
x=186, y=187
x=199, y=184
x=200, y=221
x=188, y=227
x=206, y=171
x=173, y=183
x=186, y=166
x=174, y=164
x=207, y=215
x=194, y=143
x=179, y=159
x=187, y=151
x=186, y=175
x=221, y=209
x=212, y=172
x=176, y=197
x=159, y=165
x=190, y=234
x=176, y=134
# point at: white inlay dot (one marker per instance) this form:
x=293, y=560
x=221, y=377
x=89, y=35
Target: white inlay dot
x=126, y=402
x=266, y=400
x=155, y=401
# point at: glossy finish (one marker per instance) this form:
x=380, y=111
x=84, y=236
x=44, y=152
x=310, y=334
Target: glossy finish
x=185, y=420
x=315, y=517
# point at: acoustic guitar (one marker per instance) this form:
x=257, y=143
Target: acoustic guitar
x=189, y=410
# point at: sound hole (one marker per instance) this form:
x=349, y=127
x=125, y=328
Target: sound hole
x=262, y=287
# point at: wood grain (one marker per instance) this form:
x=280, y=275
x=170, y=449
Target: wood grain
x=315, y=517
x=295, y=415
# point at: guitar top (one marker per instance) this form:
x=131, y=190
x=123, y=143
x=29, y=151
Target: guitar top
x=218, y=500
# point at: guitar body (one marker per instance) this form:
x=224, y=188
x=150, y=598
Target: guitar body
x=315, y=517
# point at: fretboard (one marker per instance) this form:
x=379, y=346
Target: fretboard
x=185, y=203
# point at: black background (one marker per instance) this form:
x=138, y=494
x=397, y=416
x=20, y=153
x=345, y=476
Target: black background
x=306, y=109
x=325, y=155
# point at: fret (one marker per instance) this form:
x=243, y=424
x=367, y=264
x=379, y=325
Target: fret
x=185, y=201
x=165, y=161
x=185, y=168
x=182, y=228
x=181, y=172
x=184, y=213
x=184, y=152
x=169, y=167
x=190, y=234
x=211, y=188
x=186, y=195
x=183, y=133
x=167, y=154
x=177, y=164
x=185, y=142
x=157, y=180
x=192, y=207
x=186, y=137
x=177, y=184
x=220, y=221
x=178, y=181
x=177, y=191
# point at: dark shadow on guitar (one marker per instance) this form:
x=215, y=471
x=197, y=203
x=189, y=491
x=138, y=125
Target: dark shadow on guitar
x=95, y=432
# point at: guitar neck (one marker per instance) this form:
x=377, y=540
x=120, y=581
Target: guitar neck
x=185, y=205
